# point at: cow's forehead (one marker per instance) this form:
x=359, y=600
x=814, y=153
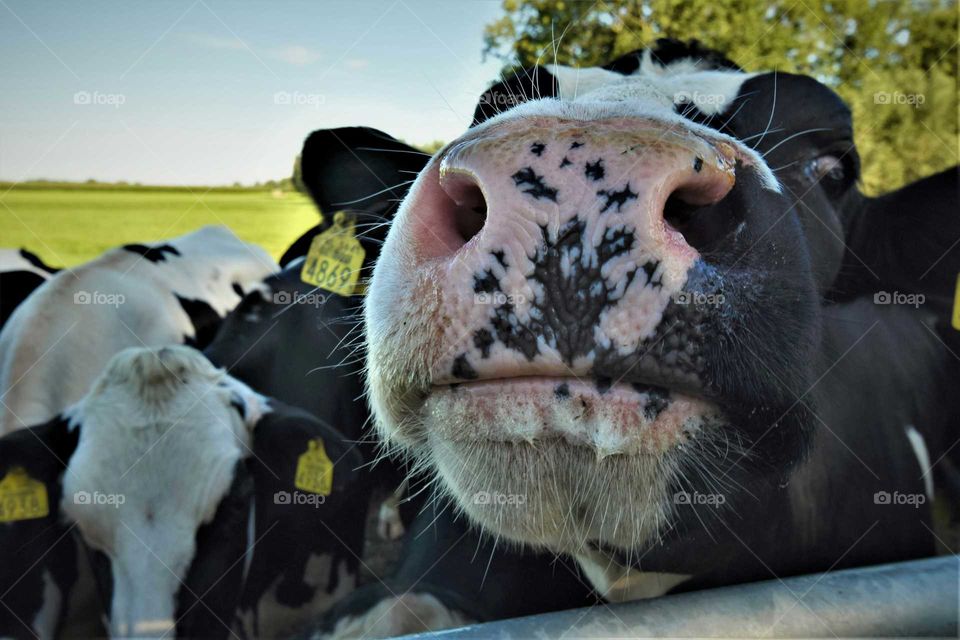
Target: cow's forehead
x=163, y=434
x=681, y=85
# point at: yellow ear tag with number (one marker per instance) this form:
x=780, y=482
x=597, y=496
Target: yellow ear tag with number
x=955, y=320
x=22, y=497
x=314, y=469
x=335, y=258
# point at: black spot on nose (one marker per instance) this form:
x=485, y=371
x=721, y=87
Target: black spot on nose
x=536, y=186
x=603, y=384
x=618, y=198
x=483, y=340
x=463, y=369
x=595, y=170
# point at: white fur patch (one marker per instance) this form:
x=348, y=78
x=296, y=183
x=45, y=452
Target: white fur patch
x=158, y=444
x=60, y=338
x=623, y=584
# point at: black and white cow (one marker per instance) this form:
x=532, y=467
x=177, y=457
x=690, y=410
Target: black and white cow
x=320, y=371
x=20, y=273
x=653, y=302
x=188, y=496
x=60, y=338
x=449, y=575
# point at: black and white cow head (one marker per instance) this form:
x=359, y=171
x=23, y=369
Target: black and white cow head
x=182, y=484
x=596, y=295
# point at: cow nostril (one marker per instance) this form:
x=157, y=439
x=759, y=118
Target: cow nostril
x=468, y=203
x=691, y=208
x=678, y=212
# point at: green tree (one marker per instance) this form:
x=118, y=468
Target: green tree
x=893, y=61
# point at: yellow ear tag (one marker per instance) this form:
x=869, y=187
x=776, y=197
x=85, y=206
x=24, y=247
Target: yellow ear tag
x=335, y=258
x=314, y=469
x=22, y=497
x=955, y=320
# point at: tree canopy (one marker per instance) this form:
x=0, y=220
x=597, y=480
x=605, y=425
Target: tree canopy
x=893, y=61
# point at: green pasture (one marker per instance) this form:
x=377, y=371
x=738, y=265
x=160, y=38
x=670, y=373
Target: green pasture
x=69, y=224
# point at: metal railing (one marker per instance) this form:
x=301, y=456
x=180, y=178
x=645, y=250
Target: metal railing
x=918, y=598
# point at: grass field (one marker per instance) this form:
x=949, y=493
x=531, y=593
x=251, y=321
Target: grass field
x=69, y=224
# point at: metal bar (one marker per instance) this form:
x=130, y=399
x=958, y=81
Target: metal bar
x=917, y=598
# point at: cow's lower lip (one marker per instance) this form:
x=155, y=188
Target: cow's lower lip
x=620, y=419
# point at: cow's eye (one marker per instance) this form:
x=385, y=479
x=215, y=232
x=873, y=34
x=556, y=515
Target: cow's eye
x=829, y=167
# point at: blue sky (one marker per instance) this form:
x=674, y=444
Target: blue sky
x=213, y=92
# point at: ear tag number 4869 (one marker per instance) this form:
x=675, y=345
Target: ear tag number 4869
x=335, y=257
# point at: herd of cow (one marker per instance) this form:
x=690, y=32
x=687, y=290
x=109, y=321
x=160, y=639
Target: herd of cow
x=635, y=334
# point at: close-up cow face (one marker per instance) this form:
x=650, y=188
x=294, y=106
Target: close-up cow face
x=168, y=474
x=613, y=287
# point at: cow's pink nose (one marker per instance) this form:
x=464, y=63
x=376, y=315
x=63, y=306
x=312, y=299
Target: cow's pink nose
x=499, y=185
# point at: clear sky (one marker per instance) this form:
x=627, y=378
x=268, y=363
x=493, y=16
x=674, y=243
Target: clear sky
x=217, y=91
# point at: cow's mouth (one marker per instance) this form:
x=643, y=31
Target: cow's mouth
x=605, y=416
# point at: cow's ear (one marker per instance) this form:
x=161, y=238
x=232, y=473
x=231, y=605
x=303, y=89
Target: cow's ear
x=518, y=87
x=906, y=241
x=359, y=169
x=34, y=541
x=310, y=500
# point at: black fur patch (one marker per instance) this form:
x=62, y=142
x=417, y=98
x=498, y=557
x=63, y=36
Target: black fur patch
x=205, y=322
x=565, y=162
x=153, y=254
x=537, y=148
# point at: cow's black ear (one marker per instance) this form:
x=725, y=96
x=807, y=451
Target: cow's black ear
x=311, y=499
x=33, y=540
x=520, y=86
x=358, y=169
x=906, y=241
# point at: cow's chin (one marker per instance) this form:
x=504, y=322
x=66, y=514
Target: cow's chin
x=562, y=469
